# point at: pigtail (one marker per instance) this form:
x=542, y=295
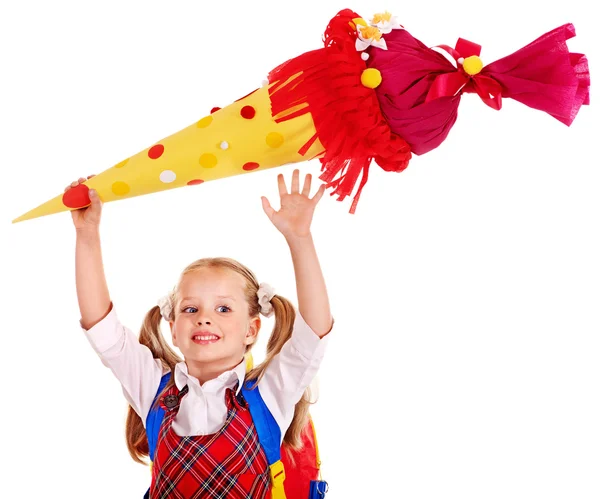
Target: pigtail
x=152, y=337
x=282, y=332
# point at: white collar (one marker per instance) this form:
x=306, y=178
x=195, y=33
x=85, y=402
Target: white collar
x=227, y=379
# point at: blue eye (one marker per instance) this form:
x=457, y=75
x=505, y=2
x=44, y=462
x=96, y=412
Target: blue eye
x=193, y=310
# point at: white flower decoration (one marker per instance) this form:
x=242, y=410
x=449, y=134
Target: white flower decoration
x=385, y=22
x=368, y=36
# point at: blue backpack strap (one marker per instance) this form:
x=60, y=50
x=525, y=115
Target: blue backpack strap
x=269, y=433
x=155, y=417
x=269, y=436
x=153, y=422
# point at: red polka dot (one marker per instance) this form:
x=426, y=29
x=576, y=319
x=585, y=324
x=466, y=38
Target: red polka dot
x=156, y=151
x=77, y=197
x=248, y=112
x=195, y=182
x=250, y=166
x=214, y=110
x=247, y=95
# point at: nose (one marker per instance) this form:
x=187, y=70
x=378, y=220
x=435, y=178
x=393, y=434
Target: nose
x=202, y=318
x=203, y=315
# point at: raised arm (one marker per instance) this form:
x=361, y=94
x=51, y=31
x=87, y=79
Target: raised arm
x=131, y=362
x=92, y=290
x=293, y=220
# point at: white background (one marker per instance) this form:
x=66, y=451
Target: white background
x=465, y=361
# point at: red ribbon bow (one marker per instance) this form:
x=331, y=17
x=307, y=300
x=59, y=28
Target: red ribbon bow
x=458, y=81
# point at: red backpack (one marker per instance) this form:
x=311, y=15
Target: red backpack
x=304, y=475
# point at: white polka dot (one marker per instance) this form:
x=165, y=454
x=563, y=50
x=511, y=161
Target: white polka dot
x=460, y=60
x=364, y=56
x=224, y=145
x=167, y=176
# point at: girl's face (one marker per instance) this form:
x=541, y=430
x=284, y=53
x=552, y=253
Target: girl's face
x=212, y=327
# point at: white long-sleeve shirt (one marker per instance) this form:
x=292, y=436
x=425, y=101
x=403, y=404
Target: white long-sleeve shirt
x=203, y=410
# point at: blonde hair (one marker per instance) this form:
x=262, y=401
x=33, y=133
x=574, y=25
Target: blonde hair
x=152, y=337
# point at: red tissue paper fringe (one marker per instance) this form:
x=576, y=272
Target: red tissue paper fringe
x=347, y=116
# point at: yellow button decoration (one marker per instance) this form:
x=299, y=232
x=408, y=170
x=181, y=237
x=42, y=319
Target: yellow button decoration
x=120, y=188
x=204, y=122
x=370, y=78
x=208, y=160
x=274, y=140
x=472, y=65
x=121, y=164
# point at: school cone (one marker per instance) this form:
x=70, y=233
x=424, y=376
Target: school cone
x=373, y=93
x=240, y=138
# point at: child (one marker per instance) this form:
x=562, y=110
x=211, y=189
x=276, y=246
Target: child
x=207, y=445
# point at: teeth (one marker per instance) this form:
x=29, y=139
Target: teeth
x=206, y=338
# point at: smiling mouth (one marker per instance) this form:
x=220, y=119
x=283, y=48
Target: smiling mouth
x=205, y=339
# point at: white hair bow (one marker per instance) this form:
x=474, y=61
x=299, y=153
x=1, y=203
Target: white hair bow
x=166, y=307
x=265, y=294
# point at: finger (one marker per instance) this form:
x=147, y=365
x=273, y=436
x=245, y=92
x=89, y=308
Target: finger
x=281, y=184
x=295, y=182
x=81, y=179
x=90, y=176
x=268, y=209
x=95, y=200
x=307, y=184
x=74, y=184
x=317, y=197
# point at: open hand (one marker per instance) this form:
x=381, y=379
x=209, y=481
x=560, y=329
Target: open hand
x=295, y=214
x=88, y=217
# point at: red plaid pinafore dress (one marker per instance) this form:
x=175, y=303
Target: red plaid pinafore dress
x=228, y=464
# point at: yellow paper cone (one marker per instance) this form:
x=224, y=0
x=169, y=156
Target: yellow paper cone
x=240, y=138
